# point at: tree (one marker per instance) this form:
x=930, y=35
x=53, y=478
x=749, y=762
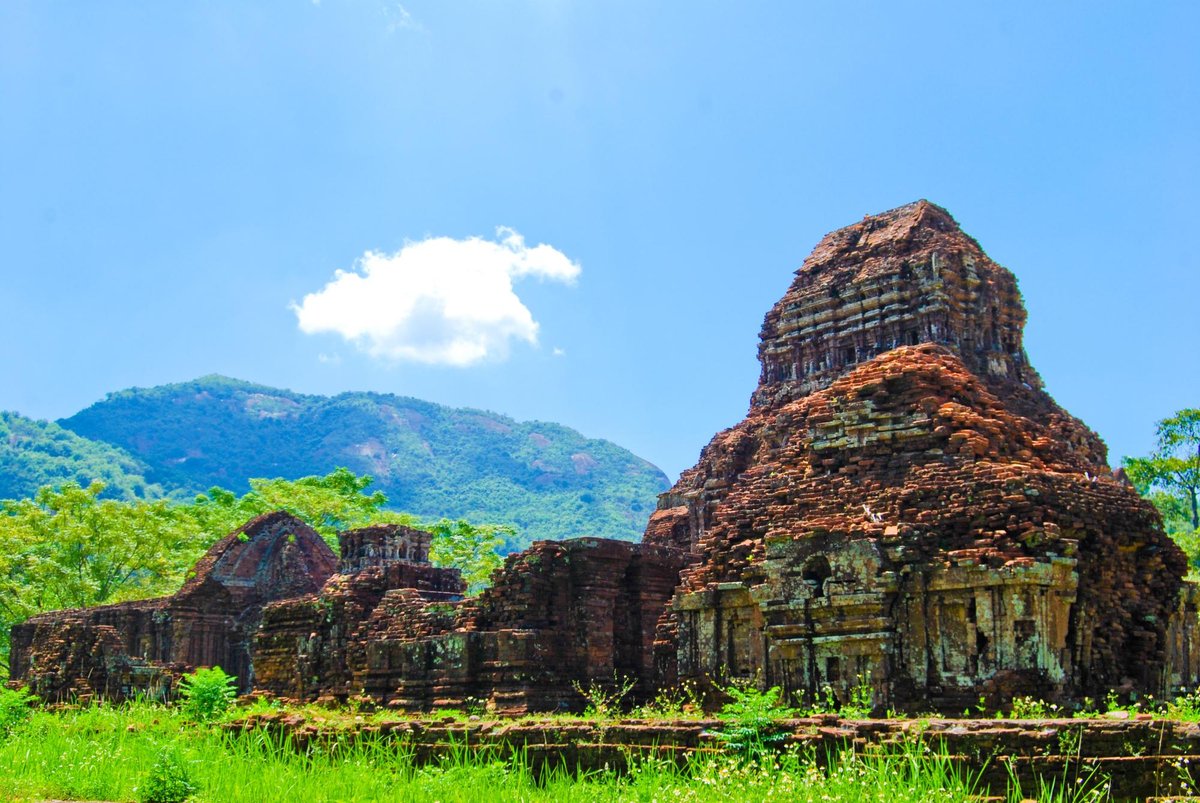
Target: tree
x=338, y=501
x=1174, y=468
x=78, y=550
x=472, y=549
x=68, y=548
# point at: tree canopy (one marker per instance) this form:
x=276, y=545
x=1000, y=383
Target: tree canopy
x=1171, y=475
x=1170, y=479
x=474, y=550
x=338, y=501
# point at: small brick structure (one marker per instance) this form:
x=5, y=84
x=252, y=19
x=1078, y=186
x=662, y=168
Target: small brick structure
x=580, y=611
x=116, y=651
x=904, y=508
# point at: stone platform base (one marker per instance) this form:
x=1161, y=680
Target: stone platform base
x=1139, y=759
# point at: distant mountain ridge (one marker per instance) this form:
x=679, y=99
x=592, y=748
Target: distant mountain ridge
x=36, y=453
x=547, y=479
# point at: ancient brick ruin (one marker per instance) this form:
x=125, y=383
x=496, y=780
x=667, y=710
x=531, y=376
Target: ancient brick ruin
x=903, y=507
x=117, y=650
x=557, y=614
x=266, y=604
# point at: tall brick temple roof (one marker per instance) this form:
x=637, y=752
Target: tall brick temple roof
x=903, y=490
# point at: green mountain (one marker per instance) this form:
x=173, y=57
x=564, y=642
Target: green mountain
x=430, y=460
x=37, y=453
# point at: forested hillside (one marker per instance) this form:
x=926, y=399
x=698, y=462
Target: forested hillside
x=37, y=453
x=432, y=461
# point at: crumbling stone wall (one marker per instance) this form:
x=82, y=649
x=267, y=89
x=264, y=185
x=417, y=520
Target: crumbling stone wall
x=557, y=614
x=118, y=650
x=382, y=545
x=1137, y=758
x=904, y=505
x=304, y=647
x=265, y=603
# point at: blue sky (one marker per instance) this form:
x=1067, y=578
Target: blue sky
x=178, y=180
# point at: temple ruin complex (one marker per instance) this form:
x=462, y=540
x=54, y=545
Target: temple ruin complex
x=903, y=507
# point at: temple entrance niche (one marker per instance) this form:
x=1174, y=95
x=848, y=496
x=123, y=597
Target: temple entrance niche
x=816, y=571
x=824, y=602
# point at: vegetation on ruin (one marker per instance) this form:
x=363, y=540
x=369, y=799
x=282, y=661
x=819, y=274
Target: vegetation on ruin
x=154, y=752
x=753, y=720
x=474, y=550
x=206, y=693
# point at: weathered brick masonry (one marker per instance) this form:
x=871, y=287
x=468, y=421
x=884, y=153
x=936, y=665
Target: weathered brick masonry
x=903, y=506
x=560, y=613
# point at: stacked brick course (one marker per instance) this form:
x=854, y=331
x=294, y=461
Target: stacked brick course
x=307, y=647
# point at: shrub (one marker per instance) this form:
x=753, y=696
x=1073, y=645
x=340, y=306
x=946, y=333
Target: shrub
x=683, y=699
x=1186, y=707
x=821, y=702
x=14, y=708
x=604, y=699
x=1033, y=708
x=167, y=782
x=207, y=693
x=752, y=719
x=862, y=700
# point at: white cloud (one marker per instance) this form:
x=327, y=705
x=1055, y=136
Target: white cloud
x=559, y=352
x=437, y=301
x=399, y=18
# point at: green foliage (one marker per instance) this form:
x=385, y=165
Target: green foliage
x=753, y=719
x=604, y=699
x=207, y=693
x=1174, y=510
x=1032, y=708
x=675, y=702
x=1078, y=782
x=15, y=708
x=862, y=700
x=1173, y=470
x=823, y=701
x=168, y=781
x=337, y=501
x=473, y=549
x=38, y=453
x=69, y=548
x=432, y=461
x=1185, y=708
x=103, y=752
x=1113, y=704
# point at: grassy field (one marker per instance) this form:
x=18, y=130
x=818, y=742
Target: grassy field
x=124, y=753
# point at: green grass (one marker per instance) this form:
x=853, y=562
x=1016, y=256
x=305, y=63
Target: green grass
x=106, y=753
